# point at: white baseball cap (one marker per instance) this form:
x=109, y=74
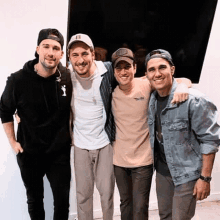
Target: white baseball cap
x=81, y=38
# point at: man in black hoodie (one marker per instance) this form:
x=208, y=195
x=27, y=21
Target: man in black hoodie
x=41, y=94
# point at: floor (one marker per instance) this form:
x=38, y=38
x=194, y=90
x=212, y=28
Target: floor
x=204, y=211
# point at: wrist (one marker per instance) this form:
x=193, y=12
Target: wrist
x=206, y=178
x=13, y=142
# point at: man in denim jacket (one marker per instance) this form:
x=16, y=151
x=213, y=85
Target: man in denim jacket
x=184, y=138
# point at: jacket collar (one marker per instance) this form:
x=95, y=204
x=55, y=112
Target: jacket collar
x=101, y=67
x=173, y=89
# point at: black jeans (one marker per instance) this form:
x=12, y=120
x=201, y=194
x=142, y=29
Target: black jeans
x=134, y=188
x=58, y=171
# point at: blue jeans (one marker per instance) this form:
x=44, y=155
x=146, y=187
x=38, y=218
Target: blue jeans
x=58, y=172
x=134, y=188
x=175, y=202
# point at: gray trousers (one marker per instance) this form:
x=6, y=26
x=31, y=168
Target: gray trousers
x=94, y=166
x=175, y=202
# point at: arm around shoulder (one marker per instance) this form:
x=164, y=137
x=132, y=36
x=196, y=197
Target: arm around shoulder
x=185, y=81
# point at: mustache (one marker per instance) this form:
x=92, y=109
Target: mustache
x=51, y=59
x=121, y=75
x=81, y=64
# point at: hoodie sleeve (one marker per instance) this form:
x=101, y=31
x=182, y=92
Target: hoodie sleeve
x=7, y=103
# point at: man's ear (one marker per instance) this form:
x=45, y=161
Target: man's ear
x=37, y=50
x=93, y=54
x=135, y=68
x=62, y=54
x=146, y=74
x=172, y=70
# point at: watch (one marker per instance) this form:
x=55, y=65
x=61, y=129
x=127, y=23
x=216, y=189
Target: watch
x=206, y=178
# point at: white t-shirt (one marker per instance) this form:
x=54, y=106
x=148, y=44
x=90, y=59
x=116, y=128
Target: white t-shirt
x=88, y=109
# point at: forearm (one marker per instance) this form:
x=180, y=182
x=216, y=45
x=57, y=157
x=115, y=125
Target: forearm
x=207, y=165
x=9, y=130
x=202, y=188
x=186, y=81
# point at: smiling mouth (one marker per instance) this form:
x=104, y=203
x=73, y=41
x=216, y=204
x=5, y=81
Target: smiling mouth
x=50, y=60
x=158, y=80
x=81, y=66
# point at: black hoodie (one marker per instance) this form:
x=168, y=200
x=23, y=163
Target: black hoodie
x=43, y=104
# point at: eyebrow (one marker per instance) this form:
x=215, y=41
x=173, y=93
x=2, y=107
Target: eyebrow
x=51, y=45
x=151, y=68
x=162, y=65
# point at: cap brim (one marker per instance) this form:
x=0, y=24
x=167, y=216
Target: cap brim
x=75, y=41
x=126, y=59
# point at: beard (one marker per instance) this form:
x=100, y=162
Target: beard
x=49, y=64
x=81, y=68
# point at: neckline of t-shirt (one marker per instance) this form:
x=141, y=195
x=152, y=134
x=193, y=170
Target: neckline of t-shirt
x=90, y=78
x=162, y=98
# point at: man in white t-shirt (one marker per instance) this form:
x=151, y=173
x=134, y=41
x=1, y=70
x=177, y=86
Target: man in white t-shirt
x=93, y=127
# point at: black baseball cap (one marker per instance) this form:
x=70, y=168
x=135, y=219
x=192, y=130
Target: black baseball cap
x=159, y=53
x=50, y=33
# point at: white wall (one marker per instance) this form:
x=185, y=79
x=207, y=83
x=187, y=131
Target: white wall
x=20, y=23
x=210, y=84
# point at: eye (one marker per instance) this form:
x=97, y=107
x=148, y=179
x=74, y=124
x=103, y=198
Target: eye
x=118, y=68
x=74, y=55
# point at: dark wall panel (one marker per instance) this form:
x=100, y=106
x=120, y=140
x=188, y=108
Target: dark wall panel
x=181, y=27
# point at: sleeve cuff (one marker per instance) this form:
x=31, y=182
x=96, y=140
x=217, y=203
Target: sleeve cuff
x=209, y=149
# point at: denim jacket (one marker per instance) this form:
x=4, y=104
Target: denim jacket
x=189, y=130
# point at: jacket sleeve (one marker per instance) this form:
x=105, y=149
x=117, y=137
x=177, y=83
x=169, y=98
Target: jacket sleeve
x=7, y=103
x=204, y=117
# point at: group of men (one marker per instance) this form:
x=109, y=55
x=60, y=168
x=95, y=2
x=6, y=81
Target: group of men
x=184, y=137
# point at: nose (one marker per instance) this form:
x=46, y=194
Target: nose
x=122, y=72
x=80, y=59
x=50, y=51
x=157, y=73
